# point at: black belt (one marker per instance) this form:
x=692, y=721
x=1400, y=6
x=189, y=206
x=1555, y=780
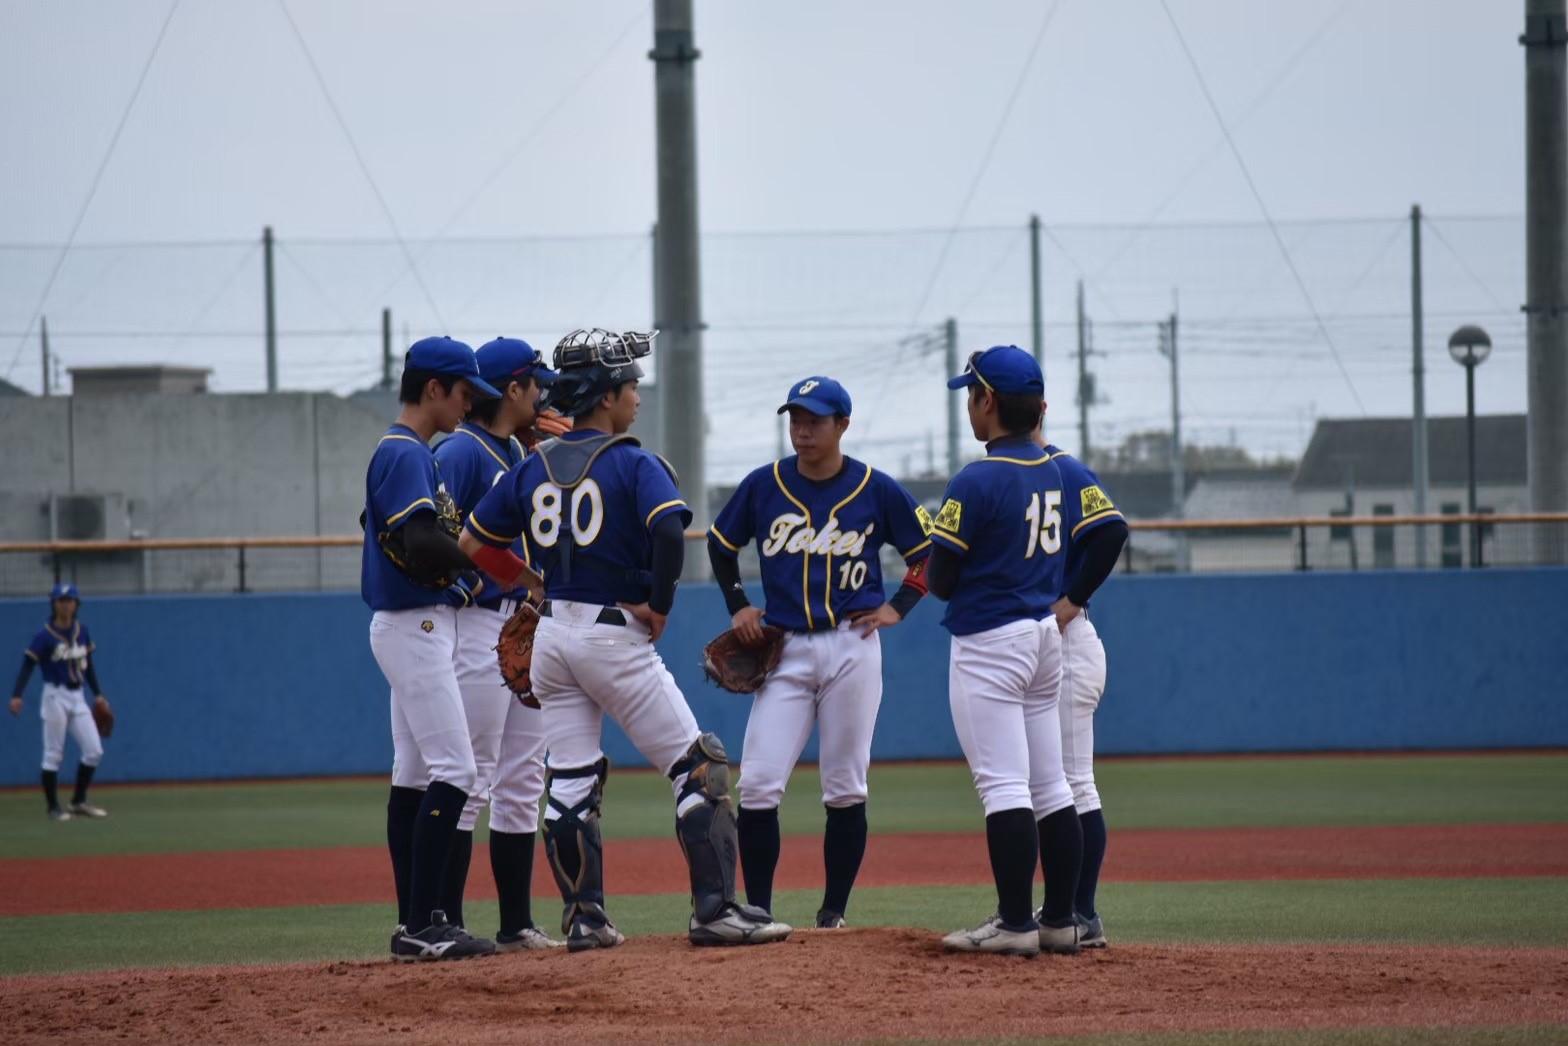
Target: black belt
x=607, y=615
x=497, y=602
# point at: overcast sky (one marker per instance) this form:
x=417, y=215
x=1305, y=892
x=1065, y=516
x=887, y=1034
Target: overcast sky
x=529, y=120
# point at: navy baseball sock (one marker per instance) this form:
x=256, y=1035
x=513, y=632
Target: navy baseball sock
x=84, y=777
x=1061, y=857
x=433, y=830
x=1093, y=824
x=843, y=847
x=759, y=853
x=456, y=876
x=402, y=811
x=51, y=781
x=512, y=864
x=1010, y=837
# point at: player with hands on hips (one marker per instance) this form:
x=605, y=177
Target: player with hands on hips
x=605, y=523
x=819, y=519
x=507, y=736
x=414, y=578
x=63, y=652
x=997, y=559
x=1094, y=531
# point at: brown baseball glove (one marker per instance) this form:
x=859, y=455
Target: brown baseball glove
x=103, y=716
x=738, y=667
x=515, y=652
x=548, y=425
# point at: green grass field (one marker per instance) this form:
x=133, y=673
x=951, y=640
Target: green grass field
x=1177, y=793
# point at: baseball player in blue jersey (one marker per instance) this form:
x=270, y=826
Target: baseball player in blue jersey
x=604, y=522
x=1095, y=532
x=819, y=519
x=63, y=652
x=415, y=579
x=997, y=559
x=508, y=737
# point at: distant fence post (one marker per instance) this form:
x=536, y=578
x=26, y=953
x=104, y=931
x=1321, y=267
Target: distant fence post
x=1301, y=546
x=242, y=570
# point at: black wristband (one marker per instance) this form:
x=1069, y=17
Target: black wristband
x=904, y=599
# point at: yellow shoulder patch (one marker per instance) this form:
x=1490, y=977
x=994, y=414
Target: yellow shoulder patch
x=1093, y=500
x=948, y=516
x=925, y=519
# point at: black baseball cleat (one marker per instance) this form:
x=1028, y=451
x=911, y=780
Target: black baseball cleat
x=439, y=941
x=827, y=919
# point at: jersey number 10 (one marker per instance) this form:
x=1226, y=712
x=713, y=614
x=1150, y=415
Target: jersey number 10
x=1045, y=523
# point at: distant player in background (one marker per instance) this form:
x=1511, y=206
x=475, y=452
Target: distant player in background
x=414, y=579
x=820, y=520
x=508, y=737
x=1095, y=533
x=63, y=651
x=997, y=559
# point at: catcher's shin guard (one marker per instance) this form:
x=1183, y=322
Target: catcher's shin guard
x=573, y=844
x=705, y=825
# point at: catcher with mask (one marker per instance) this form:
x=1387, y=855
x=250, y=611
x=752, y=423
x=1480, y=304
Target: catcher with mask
x=820, y=520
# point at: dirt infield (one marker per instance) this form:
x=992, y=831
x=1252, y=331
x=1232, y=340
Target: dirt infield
x=273, y=878
x=821, y=986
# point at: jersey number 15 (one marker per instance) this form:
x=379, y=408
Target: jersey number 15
x=1045, y=523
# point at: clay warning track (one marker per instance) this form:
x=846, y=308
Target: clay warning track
x=820, y=986
x=352, y=875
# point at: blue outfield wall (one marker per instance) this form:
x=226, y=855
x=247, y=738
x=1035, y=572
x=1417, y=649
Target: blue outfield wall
x=284, y=685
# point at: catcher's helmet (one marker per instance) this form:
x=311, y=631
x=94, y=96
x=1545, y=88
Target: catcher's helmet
x=590, y=363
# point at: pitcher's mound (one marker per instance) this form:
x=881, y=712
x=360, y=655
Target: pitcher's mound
x=819, y=986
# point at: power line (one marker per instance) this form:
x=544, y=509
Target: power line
x=1246, y=173
x=92, y=190
x=1464, y=265
x=969, y=194
x=359, y=157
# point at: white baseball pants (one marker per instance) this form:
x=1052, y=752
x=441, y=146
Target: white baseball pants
x=63, y=709
x=1003, y=686
x=508, y=739
x=833, y=679
x=1083, y=683
x=415, y=650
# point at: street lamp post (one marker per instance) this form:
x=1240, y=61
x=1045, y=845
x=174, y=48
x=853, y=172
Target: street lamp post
x=1470, y=346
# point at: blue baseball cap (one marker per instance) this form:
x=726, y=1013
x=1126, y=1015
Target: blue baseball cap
x=1002, y=368
x=64, y=590
x=503, y=360
x=448, y=356
x=822, y=396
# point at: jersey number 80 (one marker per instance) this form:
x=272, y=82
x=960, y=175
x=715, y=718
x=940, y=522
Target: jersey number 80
x=1045, y=523
x=545, y=523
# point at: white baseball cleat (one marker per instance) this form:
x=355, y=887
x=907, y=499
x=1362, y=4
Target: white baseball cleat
x=993, y=936
x=528, y=939
x=738, y=924
x=88, y=810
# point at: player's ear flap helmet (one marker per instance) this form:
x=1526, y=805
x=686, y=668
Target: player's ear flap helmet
x=590, y=363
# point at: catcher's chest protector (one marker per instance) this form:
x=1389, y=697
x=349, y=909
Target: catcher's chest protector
x=566, y=463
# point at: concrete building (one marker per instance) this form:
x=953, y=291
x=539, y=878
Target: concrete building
x=138, y=380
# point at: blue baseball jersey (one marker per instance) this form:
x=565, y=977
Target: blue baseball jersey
x=1003, y=516
x=470, y=462
x=402, y=480
x=818, y=540
x=615, y=507
x=1085, y=506
x=61, y=654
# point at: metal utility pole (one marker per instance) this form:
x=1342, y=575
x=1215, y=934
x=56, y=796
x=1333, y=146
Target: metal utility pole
x=1085, y=382
x=1037, y=319
x=674, y=58
x=950, y=366
x=271, y=307
x=1178, y=466
x=386, y=348
x=783, y=423
x=1419, y=471
x=1545, y=41
x=43, y=345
